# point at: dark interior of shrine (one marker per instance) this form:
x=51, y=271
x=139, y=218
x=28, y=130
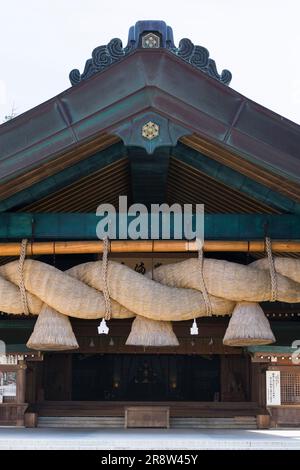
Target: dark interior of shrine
x=143, y=377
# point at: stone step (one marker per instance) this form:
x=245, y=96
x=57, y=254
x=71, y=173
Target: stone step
x=118, y=422
x=202, y=427
x=212, y=420
x=214, y=423
x=80, y=426
x=81, y=422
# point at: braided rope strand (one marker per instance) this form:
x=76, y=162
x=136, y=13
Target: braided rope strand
x=108, y=310
x=21, y=276
x=273, y=275
x=205, y=294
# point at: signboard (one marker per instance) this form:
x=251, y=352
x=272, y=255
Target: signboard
x=273, y=387
x=8, y=384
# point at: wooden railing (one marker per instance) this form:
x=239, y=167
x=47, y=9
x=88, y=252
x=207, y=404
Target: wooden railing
x=12, y=414
x=13, y=410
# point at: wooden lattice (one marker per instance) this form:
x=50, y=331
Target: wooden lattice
x=290, y=387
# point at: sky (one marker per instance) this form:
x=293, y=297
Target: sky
x=41, y=41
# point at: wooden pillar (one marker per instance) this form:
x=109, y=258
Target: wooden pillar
x=21, y=390
x=258, y=394
x=21, y=383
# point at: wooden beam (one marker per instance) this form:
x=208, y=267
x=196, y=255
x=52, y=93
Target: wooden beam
x=234, y=179
x=149, y=174
x=82, y=226
x=233, y=159
x=145, y=246
x=64, y=177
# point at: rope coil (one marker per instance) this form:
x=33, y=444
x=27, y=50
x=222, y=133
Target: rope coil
x=108, y=309
x=175, y=294
x=21, y=276
x=273, y=275
x=205, y=294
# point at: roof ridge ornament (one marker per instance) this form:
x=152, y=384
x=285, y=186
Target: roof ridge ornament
x=149, y=35
x=198, y=56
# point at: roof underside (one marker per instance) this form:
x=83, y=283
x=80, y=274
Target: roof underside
x=85, y=195
x=185, y=185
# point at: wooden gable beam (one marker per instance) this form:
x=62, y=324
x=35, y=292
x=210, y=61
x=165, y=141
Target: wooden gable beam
x=64, y=178
x=234, y=179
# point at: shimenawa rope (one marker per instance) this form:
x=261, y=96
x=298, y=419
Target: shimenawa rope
x=21, y=276
x=274, y=286
x=206, y=298
x=108, y=310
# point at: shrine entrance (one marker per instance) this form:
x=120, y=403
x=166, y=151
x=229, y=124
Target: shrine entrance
x=85, y=387
x=199, y=378
x=145, y=377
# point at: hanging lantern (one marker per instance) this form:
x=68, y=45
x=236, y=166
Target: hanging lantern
x=145, y=332
x=52, y=332
x=248, y=326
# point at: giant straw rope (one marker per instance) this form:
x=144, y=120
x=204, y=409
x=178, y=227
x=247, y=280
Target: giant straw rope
x=175, y=293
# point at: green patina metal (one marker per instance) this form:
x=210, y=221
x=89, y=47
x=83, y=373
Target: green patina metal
x=149, y=35
x=78, y=226
x=271, y=349
x=103, y=105
x=235, y=179
x=167, y=132
x=149, y=175
x=17, y=348
x=15, y=334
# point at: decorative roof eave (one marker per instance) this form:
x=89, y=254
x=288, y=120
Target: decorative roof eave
x=275, y=354
x=141, y=37
x=271, y=349
x=102, y=105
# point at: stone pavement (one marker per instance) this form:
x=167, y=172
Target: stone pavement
x=150, y=439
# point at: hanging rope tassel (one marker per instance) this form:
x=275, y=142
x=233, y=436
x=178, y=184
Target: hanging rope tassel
x=21, y=276
x=205, y=294
x=103, y=328
x=194, y=329
x=273, y=275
